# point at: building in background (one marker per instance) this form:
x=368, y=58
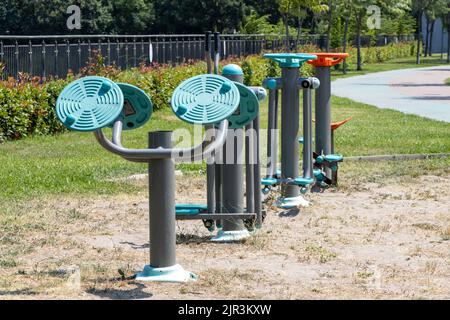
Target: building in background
x=440, y=36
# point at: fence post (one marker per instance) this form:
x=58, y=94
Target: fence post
x=126, y=53
x=177, y=50
x=189, y=49
x=155, y=55
x=68, y=56
x=143, y=51
x=16, y=53
x=2, y=60
x=99, y=47
x=171, y=50
x=164, y=50
x=79, y=55
x=43, y=71
x=134, y=53
x=89, y=48
x=109, y=51
x=56, y=59
x=30, y=52
x=118, y=52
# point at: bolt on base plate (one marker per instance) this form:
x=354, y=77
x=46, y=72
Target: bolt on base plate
x=174, y=273
x=231, y=236
x=289, y=203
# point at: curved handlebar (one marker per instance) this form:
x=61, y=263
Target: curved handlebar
x=144, y=155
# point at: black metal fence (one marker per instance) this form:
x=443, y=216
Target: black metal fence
x=55, y=56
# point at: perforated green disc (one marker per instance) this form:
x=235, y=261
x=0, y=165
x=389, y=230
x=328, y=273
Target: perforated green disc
x=137, y=107
x=89, y=104
x=205, y=99
x=248, y=108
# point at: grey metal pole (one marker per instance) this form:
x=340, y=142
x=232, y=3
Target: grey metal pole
x=162, y=204
x=218, y=186
x=232, y=184
x=232, y=176
x=289, y=130
x=211, y=184
x=307, y=134
x=272, y=136
x=323, y=114
x=257, y=174
x=249, y=168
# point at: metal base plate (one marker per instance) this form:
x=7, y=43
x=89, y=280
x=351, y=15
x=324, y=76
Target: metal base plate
x=231, y=236
x=289, y=203
x=174, y=273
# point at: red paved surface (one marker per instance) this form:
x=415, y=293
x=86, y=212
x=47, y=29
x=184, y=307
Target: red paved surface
x=425, y=84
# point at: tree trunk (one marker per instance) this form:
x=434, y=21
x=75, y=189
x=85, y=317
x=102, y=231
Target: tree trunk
x=358, y=40
x=448, y=42
x=299, y=32
x=442, y=41
x=330, y=22
x=344, y=44
x=419, y=29
x=427, y=33
x=286, y=27
x=430, y=46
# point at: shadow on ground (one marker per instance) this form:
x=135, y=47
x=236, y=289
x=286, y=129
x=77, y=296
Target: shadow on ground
x=115, y=294
x=289, y=213
x=21, y=292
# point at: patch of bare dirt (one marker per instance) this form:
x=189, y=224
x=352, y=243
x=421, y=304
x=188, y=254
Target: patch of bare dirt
x=388, y=241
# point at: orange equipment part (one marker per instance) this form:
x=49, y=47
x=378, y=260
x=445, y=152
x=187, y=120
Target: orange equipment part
x=325, y=59
x=336, y=125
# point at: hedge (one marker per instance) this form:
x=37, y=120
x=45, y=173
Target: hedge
x=27, y=107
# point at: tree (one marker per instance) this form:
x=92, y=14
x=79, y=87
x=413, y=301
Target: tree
x=346, y=10
x=132, y=16
x=330, y=24
x=262, y=8
x=294, y=8
x=359, y=8
x=253, y=24
x=49, y=17
x=196, y=16
x=419, y=7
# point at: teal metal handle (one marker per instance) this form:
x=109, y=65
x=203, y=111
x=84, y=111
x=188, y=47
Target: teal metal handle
x=290, y=60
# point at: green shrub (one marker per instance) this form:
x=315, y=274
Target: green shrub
x=28, y=107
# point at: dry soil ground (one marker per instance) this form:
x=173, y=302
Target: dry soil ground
x=377, y=241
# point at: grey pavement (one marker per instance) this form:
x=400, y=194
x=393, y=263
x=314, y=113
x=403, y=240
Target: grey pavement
x=419, y=91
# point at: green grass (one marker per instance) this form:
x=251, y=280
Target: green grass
x=447, y=82
x=404, y=63
x=74, y=163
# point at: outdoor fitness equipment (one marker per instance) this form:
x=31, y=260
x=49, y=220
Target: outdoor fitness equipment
x=229, y=213
x=224, y=207
x=230, y=168
x=290, y=84
x=93, y=103
x=326, y=162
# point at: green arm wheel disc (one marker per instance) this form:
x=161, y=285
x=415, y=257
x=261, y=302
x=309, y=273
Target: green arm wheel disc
x=89, y=104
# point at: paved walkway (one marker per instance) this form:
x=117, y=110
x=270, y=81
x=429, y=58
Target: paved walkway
x=415, y=91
